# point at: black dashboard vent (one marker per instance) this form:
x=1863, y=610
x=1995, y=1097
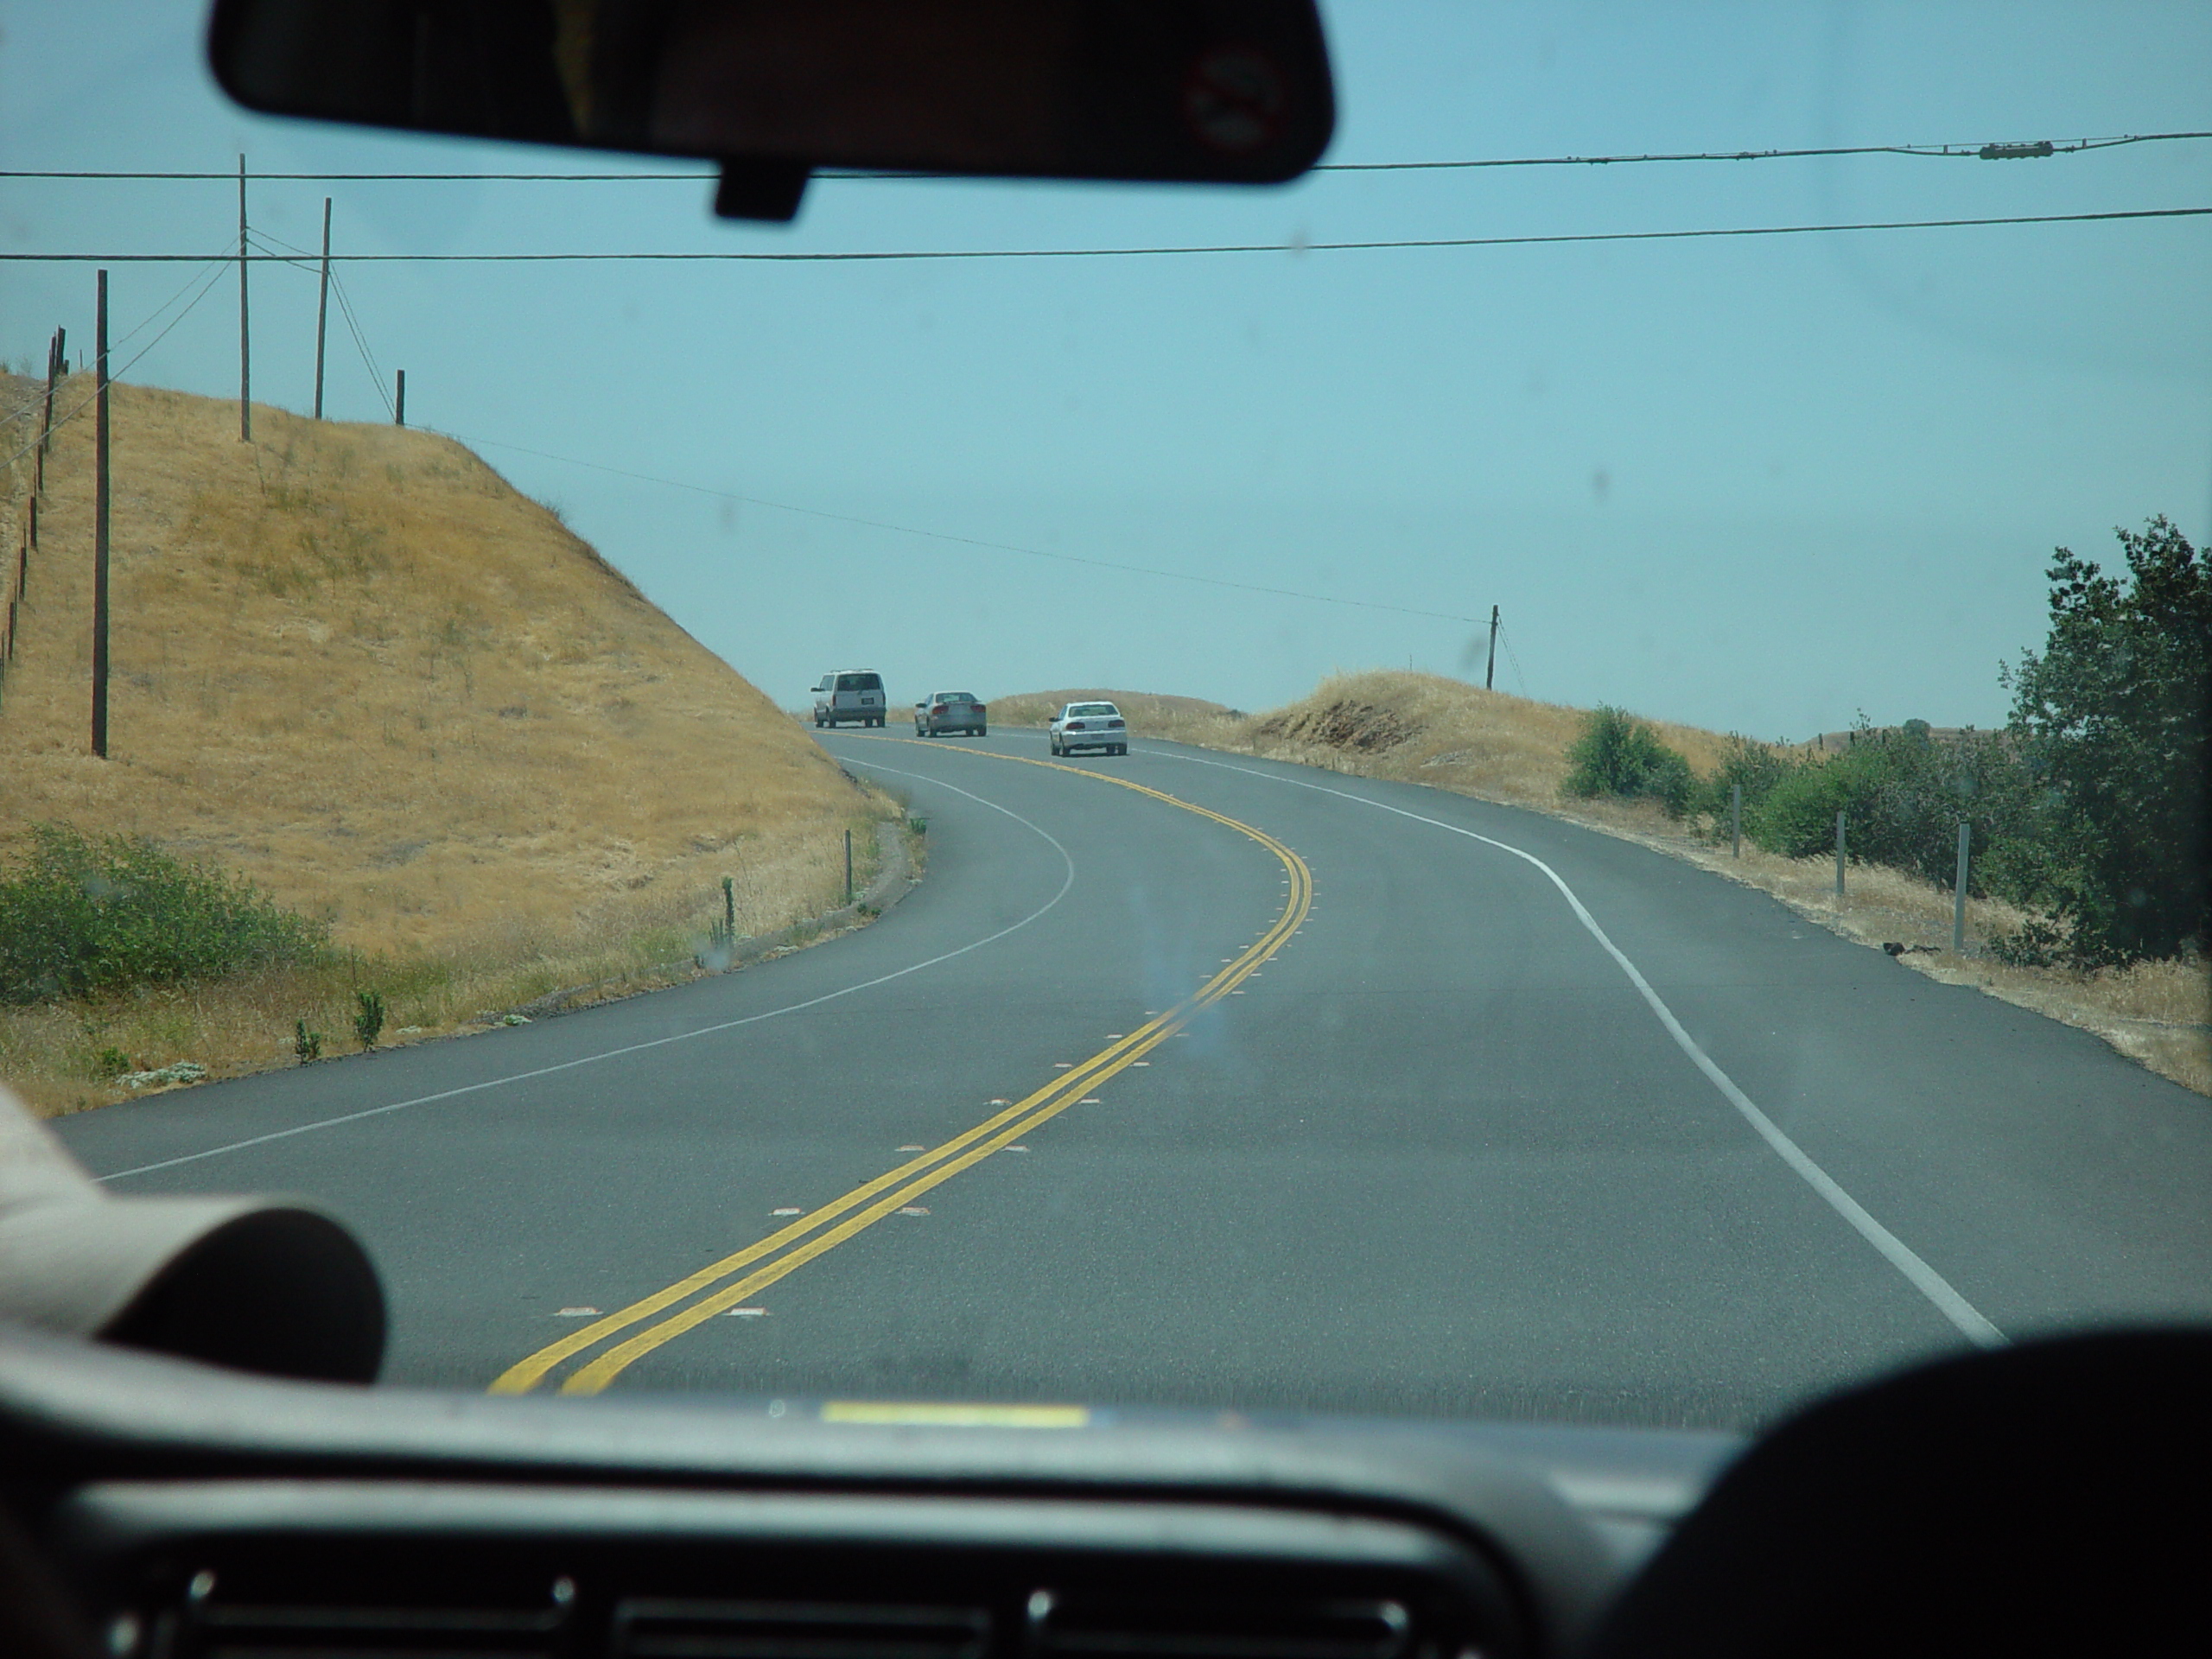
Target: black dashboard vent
x=1113, y=1627
x=371, y=1633
x=769, y=1630
x=308, y=1613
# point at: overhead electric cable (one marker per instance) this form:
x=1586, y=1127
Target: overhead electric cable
x=735, y=257
x=221, y=267
x=963, y=541
x=2012, y=151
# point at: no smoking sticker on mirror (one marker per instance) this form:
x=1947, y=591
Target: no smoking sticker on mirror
x=1233, y=99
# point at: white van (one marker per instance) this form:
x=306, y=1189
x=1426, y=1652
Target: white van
x=852, y=695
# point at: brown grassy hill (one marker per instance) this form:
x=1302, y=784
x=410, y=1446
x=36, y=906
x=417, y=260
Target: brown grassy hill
x=353, y=664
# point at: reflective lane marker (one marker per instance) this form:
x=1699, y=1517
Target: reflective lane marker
x=577, y=1313
x=691, y=1300
x=1017, y=1148
x=1064, y=1065
x=748, y=1313
x=917, y=1146
x=913, y=1210
x=789, y=1210
x=1970, y=1321
x=1087, y=1100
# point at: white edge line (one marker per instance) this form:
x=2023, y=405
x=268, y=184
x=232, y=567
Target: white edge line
x=1970, y=1321
x=1067, y=882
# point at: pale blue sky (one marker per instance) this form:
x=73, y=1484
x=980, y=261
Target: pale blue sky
x=1760, y=484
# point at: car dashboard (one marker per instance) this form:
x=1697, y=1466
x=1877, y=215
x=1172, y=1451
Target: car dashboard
x=196, y=1513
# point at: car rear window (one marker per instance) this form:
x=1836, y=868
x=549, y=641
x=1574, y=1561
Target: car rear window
x=956, y=696
x=1093, y=709
x=859, y=682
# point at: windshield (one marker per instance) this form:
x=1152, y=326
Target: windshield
x=1650, y=859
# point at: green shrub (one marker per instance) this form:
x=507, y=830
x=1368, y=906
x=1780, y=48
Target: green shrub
x=307, y=1045
x=1617, y=754
x=1757, y=768
x=102, y=912
x=1904, y=795
x=368, y=1018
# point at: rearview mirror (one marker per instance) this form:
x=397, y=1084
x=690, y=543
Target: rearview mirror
x=1198, y=90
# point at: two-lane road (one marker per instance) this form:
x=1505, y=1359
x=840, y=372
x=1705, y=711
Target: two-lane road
x=1247, y=1085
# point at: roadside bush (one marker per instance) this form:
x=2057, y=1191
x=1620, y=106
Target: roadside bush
x=1617, y=754
x=368, y=1018
x=1757, y=768
x=1904, y=794
x=102, y=912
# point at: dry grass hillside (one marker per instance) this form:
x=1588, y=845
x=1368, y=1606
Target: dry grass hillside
x=353, y=665
x=1424, y=728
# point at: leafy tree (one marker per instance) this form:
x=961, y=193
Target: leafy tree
x=1618, y=754
x=2113, y=715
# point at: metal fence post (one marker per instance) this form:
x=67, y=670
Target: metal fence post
x=1736, y=820
x=1839, y=858
x=848, y=866
x=1958, y=893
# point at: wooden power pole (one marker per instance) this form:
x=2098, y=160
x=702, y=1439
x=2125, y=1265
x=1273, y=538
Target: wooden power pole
x=1490, y=668
x=245, y=343
x=99, y=521
x=322, y=309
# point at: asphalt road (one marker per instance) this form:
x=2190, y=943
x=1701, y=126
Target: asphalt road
x=1300, y=1092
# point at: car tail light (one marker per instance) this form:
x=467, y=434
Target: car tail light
x=1113, y=725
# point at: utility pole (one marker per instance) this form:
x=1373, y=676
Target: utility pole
x=245, y=346
x=100, y=522
x=57, y=364
x=399, y=400
x=1490, y=669
x=322, y=309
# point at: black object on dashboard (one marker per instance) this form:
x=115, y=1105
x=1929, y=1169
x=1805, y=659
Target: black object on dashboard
x=2047, y=1499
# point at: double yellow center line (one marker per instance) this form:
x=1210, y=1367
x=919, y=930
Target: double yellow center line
x=720, y=1286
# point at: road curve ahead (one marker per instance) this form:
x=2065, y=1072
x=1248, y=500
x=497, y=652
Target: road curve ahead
x=1187, y=1078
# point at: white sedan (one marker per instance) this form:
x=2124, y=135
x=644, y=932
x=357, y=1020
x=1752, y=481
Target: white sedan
x=1090, y=726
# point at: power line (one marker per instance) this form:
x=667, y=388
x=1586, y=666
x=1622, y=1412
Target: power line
x=360, y=339
x=868, y=256
x=963, y=541
x=1973, y=151
x=221, y=267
